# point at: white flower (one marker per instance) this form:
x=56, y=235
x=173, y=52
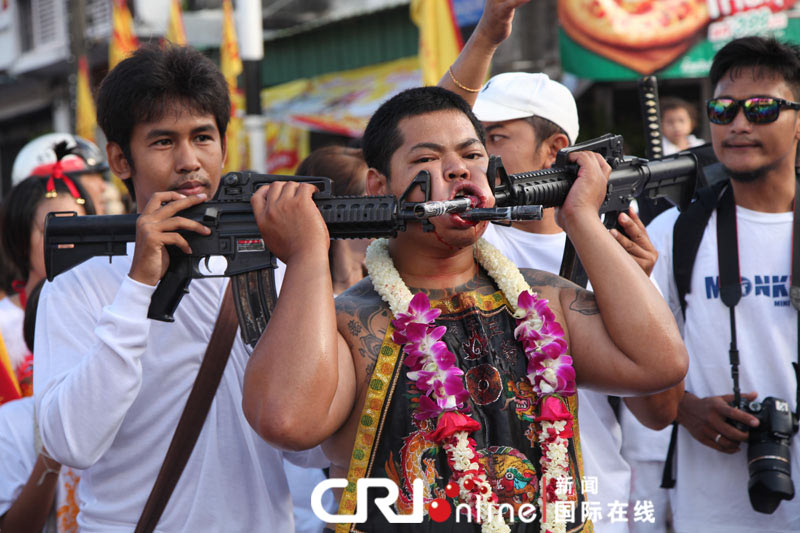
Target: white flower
x=385, y=277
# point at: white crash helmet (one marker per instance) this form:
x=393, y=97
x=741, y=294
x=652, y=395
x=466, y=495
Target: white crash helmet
x=41, y=151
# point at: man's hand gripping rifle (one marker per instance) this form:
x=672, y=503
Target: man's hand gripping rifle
x=673, y=178
x=71, y=240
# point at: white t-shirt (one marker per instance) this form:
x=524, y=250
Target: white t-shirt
x=600, y=433
x=670, y=148
x=711, y=490
x=542, y=251
x=111, y=385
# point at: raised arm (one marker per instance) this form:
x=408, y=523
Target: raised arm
x=472, y=65
x=299, y=385
x=624, y=338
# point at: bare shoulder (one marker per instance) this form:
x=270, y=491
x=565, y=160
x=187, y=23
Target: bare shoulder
x=572, y=297
x=362, y=319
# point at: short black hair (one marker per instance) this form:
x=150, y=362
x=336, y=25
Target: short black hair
x=16, y=220
x=544, y=129
x=148, y=84
x=382, y=137
x=766, y=53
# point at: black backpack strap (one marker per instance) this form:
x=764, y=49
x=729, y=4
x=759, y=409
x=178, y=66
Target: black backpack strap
x=668, y=475
x=687, y=234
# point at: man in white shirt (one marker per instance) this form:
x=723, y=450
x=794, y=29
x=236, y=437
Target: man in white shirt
x=110, y=383
x=755, y=127
x=528, y=119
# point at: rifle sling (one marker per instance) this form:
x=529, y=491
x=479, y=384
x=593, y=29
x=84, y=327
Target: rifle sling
x=194, y=414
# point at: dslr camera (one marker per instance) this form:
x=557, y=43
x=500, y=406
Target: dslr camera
x=768, y=452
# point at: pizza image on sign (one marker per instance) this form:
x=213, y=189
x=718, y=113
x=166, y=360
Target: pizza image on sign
x=644, y=35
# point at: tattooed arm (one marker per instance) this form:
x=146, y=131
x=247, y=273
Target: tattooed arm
x=362, y=319
x=655, y=410
x=623, y=337
x=299, y=385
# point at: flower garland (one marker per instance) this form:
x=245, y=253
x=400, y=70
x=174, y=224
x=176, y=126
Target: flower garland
x=434, y=370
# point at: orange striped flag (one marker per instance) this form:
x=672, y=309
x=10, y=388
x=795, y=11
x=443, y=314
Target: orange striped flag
x=85, y=113
x=231, y=67
x=9, y=387
x=123, y=41
x=176, y=32
x=440, y=39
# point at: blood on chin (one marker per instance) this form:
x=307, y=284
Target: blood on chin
x=457, y=221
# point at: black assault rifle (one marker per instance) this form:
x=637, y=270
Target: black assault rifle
x=673, y=178
x=71, y=239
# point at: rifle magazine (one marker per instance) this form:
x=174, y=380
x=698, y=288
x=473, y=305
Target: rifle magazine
x=254, y=296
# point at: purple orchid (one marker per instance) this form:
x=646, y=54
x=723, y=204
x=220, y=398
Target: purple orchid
x=549, y=368
x=427, y=409
x=552, y=376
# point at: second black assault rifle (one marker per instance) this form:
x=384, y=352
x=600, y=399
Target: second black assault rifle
x=673, y=178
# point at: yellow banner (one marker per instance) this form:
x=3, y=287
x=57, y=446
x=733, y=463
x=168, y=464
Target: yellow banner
x=286, y=147
x=85, y=113
x=340, y=102
x=439, y=37
x=230, y=62
x=123, y=40
x=176, y=32
x=231, y=67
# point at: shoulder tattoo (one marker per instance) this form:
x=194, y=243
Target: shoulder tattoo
x=365, y=317
x=541, y=278
x=584, y=303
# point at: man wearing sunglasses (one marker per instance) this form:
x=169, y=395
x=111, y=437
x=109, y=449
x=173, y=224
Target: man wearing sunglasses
x=755, y=128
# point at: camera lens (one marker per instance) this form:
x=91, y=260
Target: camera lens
x=770, y=474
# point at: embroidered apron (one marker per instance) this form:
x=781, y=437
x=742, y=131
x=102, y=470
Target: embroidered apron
x=391, y=444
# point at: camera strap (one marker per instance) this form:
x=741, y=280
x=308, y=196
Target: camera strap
x=730, y=283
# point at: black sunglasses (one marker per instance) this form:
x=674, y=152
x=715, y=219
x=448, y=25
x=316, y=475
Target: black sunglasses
x=758, y=110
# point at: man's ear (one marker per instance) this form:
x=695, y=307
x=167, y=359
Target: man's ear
x=552, y=145
x=377, y=183
x=117, y=161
